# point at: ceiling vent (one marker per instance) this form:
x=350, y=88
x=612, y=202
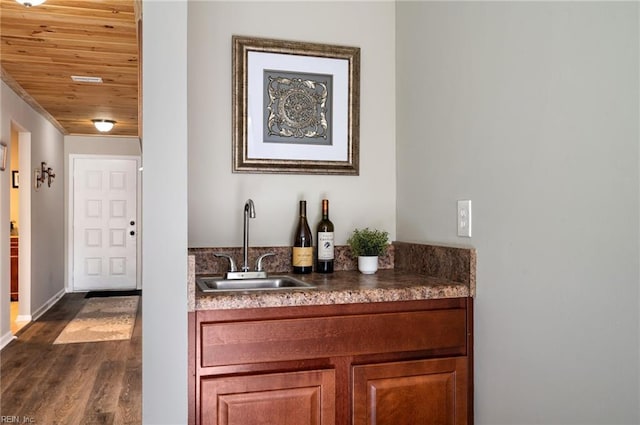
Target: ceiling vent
x=84, y=79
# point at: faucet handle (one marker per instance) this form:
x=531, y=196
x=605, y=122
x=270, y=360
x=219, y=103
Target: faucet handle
x=259, y=262
x=232, y=263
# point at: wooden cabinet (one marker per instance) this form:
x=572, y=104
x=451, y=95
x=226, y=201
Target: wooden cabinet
x=411, y=393
x=296, y=398
x=14, y=269
x=386, y=363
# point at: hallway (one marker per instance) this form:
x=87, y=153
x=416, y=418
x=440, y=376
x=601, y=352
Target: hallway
x=82, y=383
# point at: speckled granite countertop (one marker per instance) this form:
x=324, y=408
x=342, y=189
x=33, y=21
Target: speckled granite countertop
x=428, y=272
x=346, y=287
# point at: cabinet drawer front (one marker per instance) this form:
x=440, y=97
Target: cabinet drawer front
x=348, y=335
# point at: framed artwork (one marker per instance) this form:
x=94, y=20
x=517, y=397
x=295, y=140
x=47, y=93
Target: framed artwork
x=295, y=107
x=3, y=156
x=15, y=179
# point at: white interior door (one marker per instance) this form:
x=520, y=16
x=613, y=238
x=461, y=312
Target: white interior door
x=104, y=224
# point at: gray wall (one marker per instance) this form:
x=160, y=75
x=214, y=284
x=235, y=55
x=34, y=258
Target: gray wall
x=101, y=145
x=45, y=236
x=216, y=195
x=531, y=111
x=164, y=213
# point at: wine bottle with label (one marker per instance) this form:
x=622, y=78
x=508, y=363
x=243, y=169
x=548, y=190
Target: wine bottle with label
x=302, y=258
x=325, y=253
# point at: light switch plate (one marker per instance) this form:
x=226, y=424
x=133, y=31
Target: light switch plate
x=464, y=218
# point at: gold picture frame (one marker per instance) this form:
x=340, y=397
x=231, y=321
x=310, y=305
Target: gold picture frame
x=296, y=107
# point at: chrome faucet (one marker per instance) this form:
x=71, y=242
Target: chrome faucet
x=245, y=271
x=249, y=212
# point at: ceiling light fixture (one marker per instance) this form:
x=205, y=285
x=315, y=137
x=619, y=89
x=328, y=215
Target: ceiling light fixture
x=103, y=126
x=29, y=3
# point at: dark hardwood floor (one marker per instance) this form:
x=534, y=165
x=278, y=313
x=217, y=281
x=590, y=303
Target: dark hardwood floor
x=66, y=384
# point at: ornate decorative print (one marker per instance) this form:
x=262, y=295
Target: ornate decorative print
x=298, y=108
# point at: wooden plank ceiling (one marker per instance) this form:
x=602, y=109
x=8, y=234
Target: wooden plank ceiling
x=43, y=46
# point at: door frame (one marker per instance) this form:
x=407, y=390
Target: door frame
x=25, y=311
x=71, y=218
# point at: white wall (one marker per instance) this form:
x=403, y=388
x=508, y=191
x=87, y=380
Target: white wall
x=47, y=217
x=101, y=145
x=164, y=213
x=530, y=109
x=216, y=195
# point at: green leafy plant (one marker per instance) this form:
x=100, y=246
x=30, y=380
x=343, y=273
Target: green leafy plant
x=368, y=242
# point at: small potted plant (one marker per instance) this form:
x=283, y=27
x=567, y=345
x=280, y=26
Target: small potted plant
x=368, y=245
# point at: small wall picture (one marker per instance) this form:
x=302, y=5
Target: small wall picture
x=3, y=156
x=15, y=179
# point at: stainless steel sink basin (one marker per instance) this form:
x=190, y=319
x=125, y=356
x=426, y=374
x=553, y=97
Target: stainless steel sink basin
x=271, y=283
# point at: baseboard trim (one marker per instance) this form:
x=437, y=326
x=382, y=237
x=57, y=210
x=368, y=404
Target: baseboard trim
x=47, y=305
x=6, y=339
x=23, y=318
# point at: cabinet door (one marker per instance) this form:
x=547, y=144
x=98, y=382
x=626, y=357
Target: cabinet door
x=424, y=392
x=294, y=398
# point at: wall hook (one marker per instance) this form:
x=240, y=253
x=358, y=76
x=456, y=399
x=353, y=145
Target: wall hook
x=42, y=174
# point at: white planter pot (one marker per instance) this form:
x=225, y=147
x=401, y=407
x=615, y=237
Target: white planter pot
x=368, y=265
